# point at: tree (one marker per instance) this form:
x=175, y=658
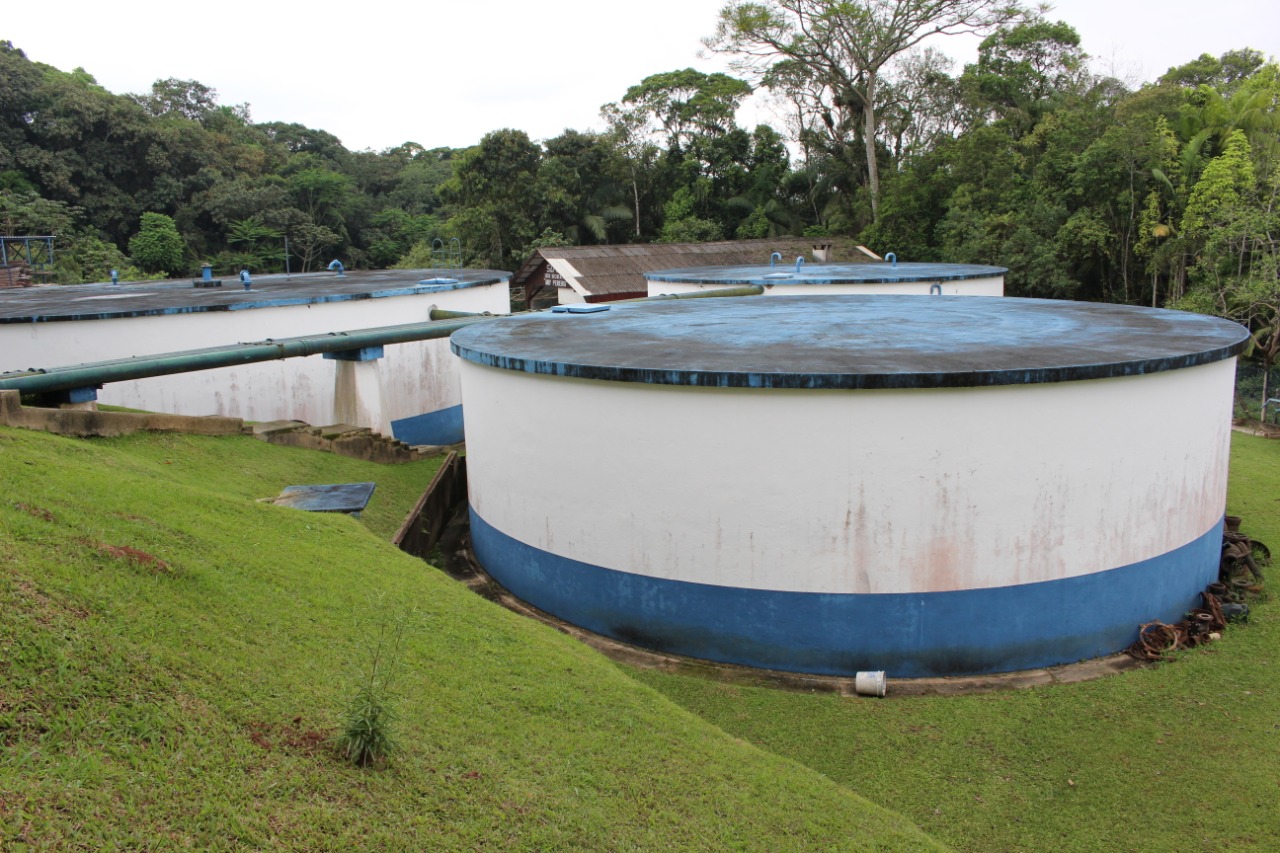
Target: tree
x=187, y=98
x=157, y=247
x=688, y=102
x=393, y=232
x=300, y=139
x=89, y=259
x=1255, y=302
x=691, y=114
x=261, y=246
x=1232, y=228
x=1223, y=74
x=922, y=104
x=492, y=188
x=1024, y=70
x=1218, y=198
x=579, y=198
x=635, y=155
x=417, y=188
x=19, y=79
x=682, y=223
x=844, y=46
x=311, y=241
x=321, y=193
x=27, y=213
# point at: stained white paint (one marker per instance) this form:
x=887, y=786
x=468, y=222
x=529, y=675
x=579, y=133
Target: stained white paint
x=852, y=491
x=411, y=379
x=358, y=393
x=985, y=286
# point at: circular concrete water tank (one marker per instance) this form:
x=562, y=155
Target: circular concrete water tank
x=871, y=279
x=416, y=383
x=837, y=484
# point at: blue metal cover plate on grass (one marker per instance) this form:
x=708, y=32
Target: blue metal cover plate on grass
x=333, y=497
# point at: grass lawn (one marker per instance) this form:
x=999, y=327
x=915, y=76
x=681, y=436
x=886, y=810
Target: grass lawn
x=174, y=655
x=1184, y=756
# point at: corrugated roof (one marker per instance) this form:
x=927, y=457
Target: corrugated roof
x=616, y=270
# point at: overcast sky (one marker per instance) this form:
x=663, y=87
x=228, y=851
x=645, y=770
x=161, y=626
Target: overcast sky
x=443, y=74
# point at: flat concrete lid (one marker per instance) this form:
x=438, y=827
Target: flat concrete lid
x=786, y=273
x=50, y=303
x=852, y=342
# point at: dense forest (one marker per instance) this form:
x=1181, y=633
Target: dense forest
x=1083, y=186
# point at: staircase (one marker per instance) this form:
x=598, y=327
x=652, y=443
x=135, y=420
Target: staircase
x=344, y=440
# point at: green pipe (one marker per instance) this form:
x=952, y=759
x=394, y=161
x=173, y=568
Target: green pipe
x=142, y=367
x=744, y=290
x=444, y=314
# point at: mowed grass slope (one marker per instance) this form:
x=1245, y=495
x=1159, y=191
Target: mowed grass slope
x=1184, y=756
x=173, y=656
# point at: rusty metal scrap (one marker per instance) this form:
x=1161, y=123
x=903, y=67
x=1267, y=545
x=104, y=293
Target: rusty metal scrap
x=1237, y=549
x=1158, y=639
x=1214, y=605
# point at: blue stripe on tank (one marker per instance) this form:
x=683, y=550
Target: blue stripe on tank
x=443, y=426
x=909, y=635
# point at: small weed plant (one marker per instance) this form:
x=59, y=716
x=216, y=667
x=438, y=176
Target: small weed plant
x=367, y=727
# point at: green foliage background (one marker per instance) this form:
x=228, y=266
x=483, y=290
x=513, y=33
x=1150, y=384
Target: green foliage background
x=1084, y=187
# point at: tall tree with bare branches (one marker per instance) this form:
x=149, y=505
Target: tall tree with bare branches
x=845, y=45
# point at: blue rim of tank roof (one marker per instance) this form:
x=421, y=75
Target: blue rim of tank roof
x=501, y=344
x=465, y=279
x=784, y=273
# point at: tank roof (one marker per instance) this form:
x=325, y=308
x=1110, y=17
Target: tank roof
x=50, y=303
x=851, y=342
x=786, y=273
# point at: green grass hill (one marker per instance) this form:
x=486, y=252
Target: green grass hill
x=175, y=655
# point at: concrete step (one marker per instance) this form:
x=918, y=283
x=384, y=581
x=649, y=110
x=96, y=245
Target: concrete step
x=272, y=427
x=342, y=439
x=340, y=431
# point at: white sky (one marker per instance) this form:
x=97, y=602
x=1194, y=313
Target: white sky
x=438, y=73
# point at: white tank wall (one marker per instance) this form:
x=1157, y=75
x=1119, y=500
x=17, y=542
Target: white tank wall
x=987, y=286
x=880, y=491
x=415, y=377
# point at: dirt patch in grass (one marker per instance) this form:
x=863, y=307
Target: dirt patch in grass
x=291, y=738
x=128, y=516
x=134, y=556
x=43, y=608
x=34, y=511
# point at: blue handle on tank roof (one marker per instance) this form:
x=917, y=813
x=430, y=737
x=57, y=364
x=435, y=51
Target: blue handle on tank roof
x=578, y=309
x=776, y=256
x=891, y=257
